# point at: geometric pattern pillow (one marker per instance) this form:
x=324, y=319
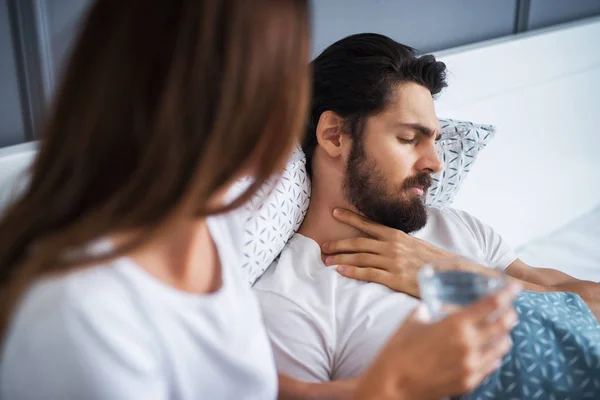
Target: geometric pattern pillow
x=275, y=213
x=555, y=353
x=459, y=145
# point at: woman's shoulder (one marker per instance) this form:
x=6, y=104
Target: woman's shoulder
x=81, y=309
x=69, y=328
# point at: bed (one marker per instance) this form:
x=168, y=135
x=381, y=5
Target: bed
x=574, y=248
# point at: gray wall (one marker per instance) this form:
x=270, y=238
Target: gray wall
x=544, y=13
x=63, y=17
x=45, y=30
x=11, y=123
x=427, y=25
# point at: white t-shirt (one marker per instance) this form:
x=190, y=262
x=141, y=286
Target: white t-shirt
x=115, y=332
x=324, y=326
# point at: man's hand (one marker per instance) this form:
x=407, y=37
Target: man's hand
x=393, y=258
x=390, y=257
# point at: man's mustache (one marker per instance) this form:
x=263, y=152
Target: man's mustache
x=424, y=180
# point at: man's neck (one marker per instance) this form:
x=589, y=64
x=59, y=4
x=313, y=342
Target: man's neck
x=319, y=224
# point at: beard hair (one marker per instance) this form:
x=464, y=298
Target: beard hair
x=366, y=189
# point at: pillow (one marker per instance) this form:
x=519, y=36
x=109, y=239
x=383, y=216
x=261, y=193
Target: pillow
x=555, y=353
x=276, y=212
x=458, y=147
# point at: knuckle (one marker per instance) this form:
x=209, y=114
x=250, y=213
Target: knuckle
x=369, y=274
x=396, y=249
x=463, y=345
x=506, y=345
x=463, y=330
x=495, y=302
x=467, y=383
x=468, y=366
x=509, y=320
x=399, y=235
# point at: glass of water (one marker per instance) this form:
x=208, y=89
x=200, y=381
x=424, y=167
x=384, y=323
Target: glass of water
x=449, y=285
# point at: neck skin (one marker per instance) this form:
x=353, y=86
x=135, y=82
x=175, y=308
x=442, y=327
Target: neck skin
x=327, y=194
x=182, y=254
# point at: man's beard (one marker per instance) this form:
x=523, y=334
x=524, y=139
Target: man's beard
x=366, y=189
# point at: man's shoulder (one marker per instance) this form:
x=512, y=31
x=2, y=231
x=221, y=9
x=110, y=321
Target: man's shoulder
x=298, y=265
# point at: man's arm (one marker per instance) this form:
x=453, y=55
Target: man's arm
x=293, y=389
x=550, y=280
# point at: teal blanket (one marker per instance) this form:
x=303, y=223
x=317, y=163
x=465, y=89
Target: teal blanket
x=556, y=352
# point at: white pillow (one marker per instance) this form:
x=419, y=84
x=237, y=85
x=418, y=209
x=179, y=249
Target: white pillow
x=276, y=212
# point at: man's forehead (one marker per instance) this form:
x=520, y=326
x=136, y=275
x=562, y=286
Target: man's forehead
x=411, y=104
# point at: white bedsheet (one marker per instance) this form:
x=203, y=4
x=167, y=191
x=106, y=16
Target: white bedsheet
x=574, y=249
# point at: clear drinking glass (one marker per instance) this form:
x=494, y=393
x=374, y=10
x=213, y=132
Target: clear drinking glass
x=449, y=285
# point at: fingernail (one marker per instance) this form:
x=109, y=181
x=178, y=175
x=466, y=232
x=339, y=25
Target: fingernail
x=328, y=260
x=341, y=269
x=325, y=246
x=337, y=211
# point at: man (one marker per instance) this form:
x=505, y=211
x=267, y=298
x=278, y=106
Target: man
x=370, y=150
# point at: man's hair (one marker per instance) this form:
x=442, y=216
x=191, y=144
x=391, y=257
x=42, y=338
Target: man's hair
x=355, y=77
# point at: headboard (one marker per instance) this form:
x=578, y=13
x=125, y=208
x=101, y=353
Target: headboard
x=542, y=91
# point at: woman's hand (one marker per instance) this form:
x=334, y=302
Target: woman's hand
x=448, y=358
x=391, y=258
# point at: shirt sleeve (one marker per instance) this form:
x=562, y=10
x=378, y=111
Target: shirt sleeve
x=496, y=251
x=72, y=353
x=301, y=343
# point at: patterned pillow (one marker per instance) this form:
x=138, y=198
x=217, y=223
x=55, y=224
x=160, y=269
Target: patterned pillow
x=274, y=214
x=277, y=211
x=555, y=354
x=458, y=147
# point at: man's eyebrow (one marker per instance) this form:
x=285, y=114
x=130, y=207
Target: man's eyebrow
x=422, y=129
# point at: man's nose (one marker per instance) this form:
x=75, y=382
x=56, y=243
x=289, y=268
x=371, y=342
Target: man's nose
x=430, y=160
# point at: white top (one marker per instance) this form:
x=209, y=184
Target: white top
x=324, y=326
x=115, y=332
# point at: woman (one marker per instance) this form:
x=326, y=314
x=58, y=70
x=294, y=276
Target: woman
x=117, y=269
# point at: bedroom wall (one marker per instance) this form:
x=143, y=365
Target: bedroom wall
x=35, y=36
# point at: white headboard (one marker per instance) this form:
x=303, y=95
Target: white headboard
x=14, y=161
x=542, y=91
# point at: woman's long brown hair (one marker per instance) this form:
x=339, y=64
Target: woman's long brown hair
x=162, y=101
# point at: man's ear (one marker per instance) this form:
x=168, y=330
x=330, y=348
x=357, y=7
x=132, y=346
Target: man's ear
x=330, y=134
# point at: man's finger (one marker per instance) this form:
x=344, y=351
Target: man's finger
x=358, y=259
x=354, y=245
x=364, y=274
x=502, y=299
x=359, y=222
